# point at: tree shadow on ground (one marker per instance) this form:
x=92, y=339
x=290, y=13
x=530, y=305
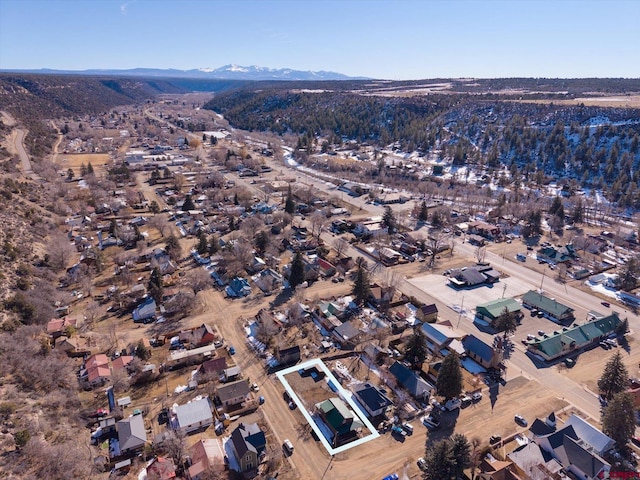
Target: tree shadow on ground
x=281, y=298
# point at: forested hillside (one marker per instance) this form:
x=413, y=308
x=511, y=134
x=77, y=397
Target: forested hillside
x=588, y=146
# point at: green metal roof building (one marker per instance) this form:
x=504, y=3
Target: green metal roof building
x=567, y=340
x=551, y=308
x=491, y=310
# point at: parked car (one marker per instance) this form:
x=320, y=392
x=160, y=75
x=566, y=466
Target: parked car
x=452, y=404
x=422, y=463
x=606, y=304
x=494, y=439
x=398, y=432
x=476, y=397
x=431, y=422
x=407, y=427
x=569, y=362
x=604, y=345
x=465, y=401
x=520, y=420
x=288, y=446
x=541, y=332
x=261, y=400
x=255, y=387
x=231, y=350
x=534, y=312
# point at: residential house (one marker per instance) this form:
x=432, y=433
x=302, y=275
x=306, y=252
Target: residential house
x=60, y=326
x=533, y=463
x=551, y=308
x=343, y=422
x=131, y=434
x=347, y=335
x=375, y=402
x=233, y=394
x=268, y=280
x=205, y=454
x=389, y=256
x=570, y=339
x=489, y=311
x=198, y=337
x=554, y=255
x=211, y=369
x=381, y=297
x=121, y=362
x=325, y=268
x=418, y=387
x=193, y=415
x=96, y=371
x=231, y=374
x=492, y=469
x=427, y=313
x=485, y=230
x=440, y=335
x=249, y=443
x=238, y=287
x=145, y=312
x=161, y=468
x=579, y=447
x=485, y=355
x=288, y=356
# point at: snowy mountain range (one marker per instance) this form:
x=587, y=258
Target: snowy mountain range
x=229, y=72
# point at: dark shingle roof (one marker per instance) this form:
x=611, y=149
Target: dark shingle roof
x=478, y=347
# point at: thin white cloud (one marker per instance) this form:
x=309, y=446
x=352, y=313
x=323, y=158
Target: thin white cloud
x=125, y=6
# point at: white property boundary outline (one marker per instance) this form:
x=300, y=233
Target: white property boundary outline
x=342, y=393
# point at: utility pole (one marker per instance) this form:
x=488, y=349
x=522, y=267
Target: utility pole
x=460, y=312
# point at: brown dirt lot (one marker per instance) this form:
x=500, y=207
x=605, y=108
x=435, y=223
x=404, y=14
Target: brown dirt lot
x=75, y=160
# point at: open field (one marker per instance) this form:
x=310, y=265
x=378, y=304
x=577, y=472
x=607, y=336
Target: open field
x=620, y=101
x=74, y=161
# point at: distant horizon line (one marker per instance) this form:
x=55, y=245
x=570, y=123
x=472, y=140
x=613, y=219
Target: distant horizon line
x=106, y=71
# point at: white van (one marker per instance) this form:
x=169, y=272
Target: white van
x=288, y=446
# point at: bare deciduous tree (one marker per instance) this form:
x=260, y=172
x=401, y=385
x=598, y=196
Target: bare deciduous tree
x=60, y=251
x=198, y=280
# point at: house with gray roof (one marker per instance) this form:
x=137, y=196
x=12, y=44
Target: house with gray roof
x=418, y=387
x=578, y=446
x=551, y=308
x=248, y=442
x=131, y=434
x=193, y=415
x=346, y=334
x=570, y=339
x=234, y=393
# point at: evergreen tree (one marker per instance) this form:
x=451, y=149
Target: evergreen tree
x=142, y=351
x=461, y=452
x=506, y=322
x=155, y=286
x=423, y=216
x=289, y=204
x=614, y=377
x=83, y=170
x=203, y=246
x=449, y=384
x=416, y=351
x=628, y=279
x=261, y=240
x=389, y=220
x=296, y=276
x=440, y=461
x=577, y=216
x=619, y=419
x=361, y=288
x=173, y=248
x=188, y=204
x=154, y=207
x=90, y=169
x=70, y=175
x=556, y=207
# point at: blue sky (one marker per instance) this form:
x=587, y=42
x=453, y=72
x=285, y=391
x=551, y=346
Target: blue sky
x=401, y=39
